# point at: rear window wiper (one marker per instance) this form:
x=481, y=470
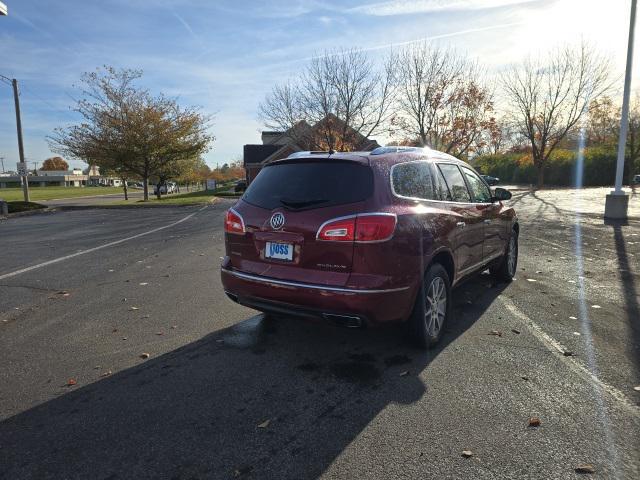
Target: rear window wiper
x=302, y=203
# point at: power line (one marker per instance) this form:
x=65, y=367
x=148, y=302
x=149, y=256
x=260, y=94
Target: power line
x=65, y=112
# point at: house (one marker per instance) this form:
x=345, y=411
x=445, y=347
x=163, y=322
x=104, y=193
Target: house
x=303, y=137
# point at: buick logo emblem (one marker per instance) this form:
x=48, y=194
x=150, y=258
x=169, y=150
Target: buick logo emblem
x=277, y=221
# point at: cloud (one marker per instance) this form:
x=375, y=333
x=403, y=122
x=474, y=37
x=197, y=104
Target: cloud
x=409, y=7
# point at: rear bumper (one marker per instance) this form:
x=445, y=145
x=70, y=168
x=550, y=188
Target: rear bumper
x=319, y=301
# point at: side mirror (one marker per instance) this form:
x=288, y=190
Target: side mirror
x=501, y=194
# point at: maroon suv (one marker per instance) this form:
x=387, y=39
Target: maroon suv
x=366, y=237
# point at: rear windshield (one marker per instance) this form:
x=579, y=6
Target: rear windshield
x=299, y=185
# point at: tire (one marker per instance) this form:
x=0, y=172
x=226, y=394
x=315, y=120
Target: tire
x=426, y=324
x=506, y=268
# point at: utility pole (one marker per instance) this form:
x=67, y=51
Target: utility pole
x=617, y=203
x=2, y=161
x=16, y=99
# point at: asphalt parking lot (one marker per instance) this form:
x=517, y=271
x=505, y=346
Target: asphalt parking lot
x=225, y=393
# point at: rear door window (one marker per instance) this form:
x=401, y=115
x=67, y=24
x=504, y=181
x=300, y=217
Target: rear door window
x=479, y=190
x=412, y=179
x=300, y=184
x=455, y=182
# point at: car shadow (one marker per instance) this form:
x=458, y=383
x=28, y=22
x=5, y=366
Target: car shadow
x=267, y=398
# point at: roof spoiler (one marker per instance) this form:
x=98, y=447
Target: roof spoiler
x=312, y=152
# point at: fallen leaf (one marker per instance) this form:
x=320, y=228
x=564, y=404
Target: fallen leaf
x=264, y=424
x=573, y=318
x=143, y=284
x=526, y=379
x=568, y=353
x=71, y=381
x=124, y=338
x=111, y=270
x=517, y=332
x=467, y=453
x=596, y=306
x=576, y=333
x=144, y=356
x=134, y=308
x=495, y=332
x=539, y=271
x=531, y=280
x=637, y=389
x=534, y=422
x=106, y=374
x=585, y=468
x=114, y=330
x=405, y=373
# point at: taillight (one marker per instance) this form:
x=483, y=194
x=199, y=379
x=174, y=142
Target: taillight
x=233, y=222
x=375, y=227
x=366, y=227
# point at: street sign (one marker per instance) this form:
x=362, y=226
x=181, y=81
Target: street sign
x=211, y=184
x=22, y=169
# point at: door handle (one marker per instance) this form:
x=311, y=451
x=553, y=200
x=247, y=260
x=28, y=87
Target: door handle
x=461, y=224
x=487, y=220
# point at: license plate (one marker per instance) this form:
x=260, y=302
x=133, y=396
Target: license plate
x=280, y=251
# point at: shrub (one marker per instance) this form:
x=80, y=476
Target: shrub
x=598, y=167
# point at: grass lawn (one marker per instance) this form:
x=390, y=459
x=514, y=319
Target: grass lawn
x=191, y=198
x=20, y=206
x=50, y=193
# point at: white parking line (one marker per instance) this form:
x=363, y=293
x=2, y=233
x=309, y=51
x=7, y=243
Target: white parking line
x=100, y=247
x=557, y=348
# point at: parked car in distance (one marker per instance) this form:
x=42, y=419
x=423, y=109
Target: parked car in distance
x=165, y=188
x=240, y=186
x=366, y=238
x=490, y=180
x=636, y=178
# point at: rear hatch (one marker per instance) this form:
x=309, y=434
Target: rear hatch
x=283, y=210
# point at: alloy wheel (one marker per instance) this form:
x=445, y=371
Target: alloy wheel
x=436, y=306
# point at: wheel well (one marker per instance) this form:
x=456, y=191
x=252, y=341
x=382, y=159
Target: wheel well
x=446, y=260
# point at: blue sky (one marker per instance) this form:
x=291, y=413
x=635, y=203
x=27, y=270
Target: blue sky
x=226, y=55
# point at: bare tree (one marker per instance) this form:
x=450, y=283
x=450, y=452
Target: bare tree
x=497, y=137
x=441, y=100
x=548, y=96
x=342, y=94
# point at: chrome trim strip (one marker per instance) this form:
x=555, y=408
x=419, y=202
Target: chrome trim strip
x=256, y=278
x=244, y=227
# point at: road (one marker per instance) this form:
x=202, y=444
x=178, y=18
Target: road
x=226, y=393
